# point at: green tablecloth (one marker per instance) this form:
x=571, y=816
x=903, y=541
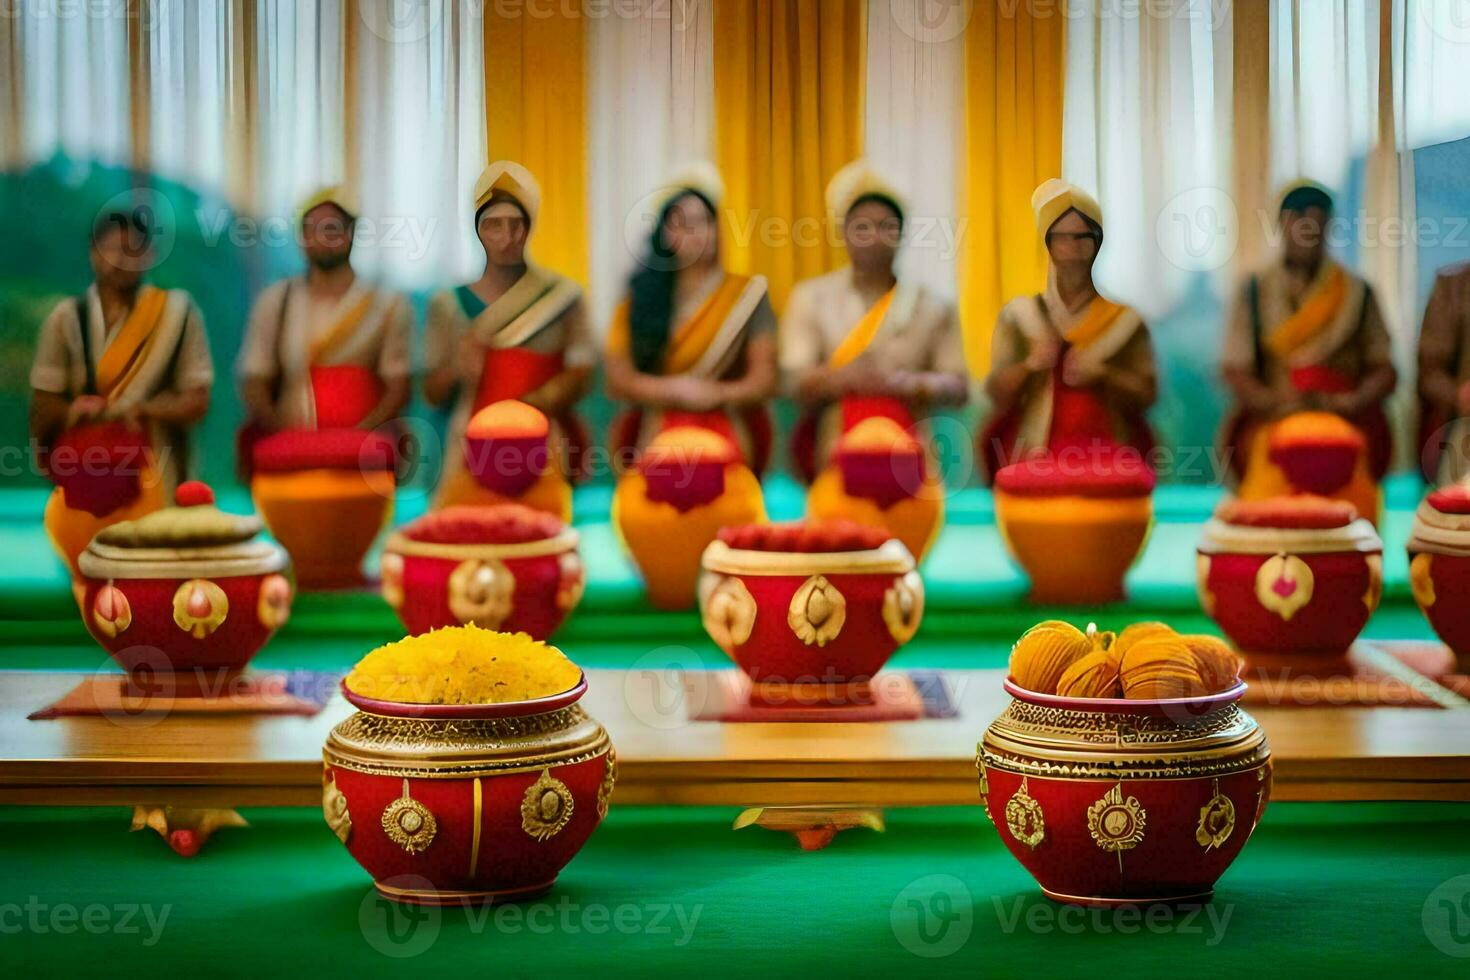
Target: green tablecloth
x=1322, y=890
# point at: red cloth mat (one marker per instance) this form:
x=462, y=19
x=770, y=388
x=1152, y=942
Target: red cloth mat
x=268, y=693
x=1374, y=673
x=729, y=696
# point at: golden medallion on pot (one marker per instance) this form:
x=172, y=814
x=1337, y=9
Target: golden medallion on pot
x=334, y=807
x=1216, y=820
x=273, y=607
x=1284, y=585
x=409, y=824
x=1116, y=822
x=481, y=592
x=1421, y=579
x=1374, y=594
x=903, y=607
x=1202, y=584
x=390, y=571
x=200, y=607
x=1024, y=818
x=112, y=614
x=728, y=612
x=546, y=807
x=573, y=580
x=817, y=612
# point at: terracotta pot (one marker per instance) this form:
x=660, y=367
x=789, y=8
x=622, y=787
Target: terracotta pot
x=1075, y=536
x=512, y=585
x=325, y=495
x=810, y=618
x=184, y=589
x=1277, y=587
x=1439, y=568
x=449, y=804
x=1111, y=801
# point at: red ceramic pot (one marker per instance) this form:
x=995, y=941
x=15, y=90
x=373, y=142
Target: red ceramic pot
x=506, y=447
x=794, y=605
x=184, y=589
x=504, y=567
x=449, y=804
x=1439, y=567
x=1111, y=801
x=1290, y=575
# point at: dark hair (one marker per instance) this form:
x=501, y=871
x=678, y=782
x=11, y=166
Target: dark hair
x=135, y=221
x=500, y=197
x=1300, y=199
x=651, y=293
x=1092, y=226
x=882, y=199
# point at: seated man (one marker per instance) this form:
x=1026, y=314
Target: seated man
x=518, y=332
x=1069, y=369
x=324, y=350
x=1305, y=335
x=858, y=340
x=123, y=369
x=1444, y=378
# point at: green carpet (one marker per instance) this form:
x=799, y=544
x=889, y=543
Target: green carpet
x=1322, y=890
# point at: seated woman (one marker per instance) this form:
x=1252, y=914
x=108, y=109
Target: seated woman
x=692, y=343
x=1310, y=363
x=859, y=344
x=1067, y=447
x=693, y=349
x=518, y=333
x=1070, y=369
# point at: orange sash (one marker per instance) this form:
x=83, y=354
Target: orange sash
x=130, y=348
x=861, y=336
x=1094, y=322
x=321, y=347
x=1318, y=309
x=691, y=338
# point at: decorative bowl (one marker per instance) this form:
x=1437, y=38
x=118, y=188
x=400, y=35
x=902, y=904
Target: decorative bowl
x=1111, y=801
x=325, y=495
x=451, y=804
x=1290, y=575
x=1439, y=567
x=810, y=603
x=1075, y=528
x=187, y=588
x=504, y=567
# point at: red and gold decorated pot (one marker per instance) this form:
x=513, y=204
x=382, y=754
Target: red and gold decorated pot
x=325, y=494
x=1290, y=575
x=809, y=604
x=1075, y=525
x=1108, y=801
x=1439, y=567
x=444, y=804
x=188, y=588
x=505, y=567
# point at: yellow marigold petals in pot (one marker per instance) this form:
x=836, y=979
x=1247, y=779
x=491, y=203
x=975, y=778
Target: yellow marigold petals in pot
x=463, y=665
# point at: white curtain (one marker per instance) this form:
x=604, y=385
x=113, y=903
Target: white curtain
x=75, y=89
x=418, y=141
x=1145, y=124
x=650, y=109
x=913, y=128
x=1436, y=70
x=189, y=47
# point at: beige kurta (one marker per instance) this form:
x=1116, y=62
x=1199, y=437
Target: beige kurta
x=287, y=320
x=1123, y=350
x=180, y=362
x=1444, y=366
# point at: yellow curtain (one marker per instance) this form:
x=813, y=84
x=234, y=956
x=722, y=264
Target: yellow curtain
x=1014, y=78
x=788, y=113
x=535, y=113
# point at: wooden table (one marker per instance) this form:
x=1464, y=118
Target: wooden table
x=1321, y=753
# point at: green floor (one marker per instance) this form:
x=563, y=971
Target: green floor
x=1322, y=890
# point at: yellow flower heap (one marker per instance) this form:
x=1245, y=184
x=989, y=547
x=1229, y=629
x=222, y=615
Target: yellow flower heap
x=463, y=665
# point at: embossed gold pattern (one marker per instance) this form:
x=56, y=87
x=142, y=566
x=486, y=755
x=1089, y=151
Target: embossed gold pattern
x=903, y=607
x=546, y=808
x=1374, y=595
x=728, y=612
x=1421, y=579
x=609, y=779
x=1284, y=584
x=1216, y=820
x=817, y=612
x=112, y=614
x=409, y=824
x=1116, y=822
x=200, y=607
x=481, y=592
x=273, y=607
x=1024, y=818
x=334, y=807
